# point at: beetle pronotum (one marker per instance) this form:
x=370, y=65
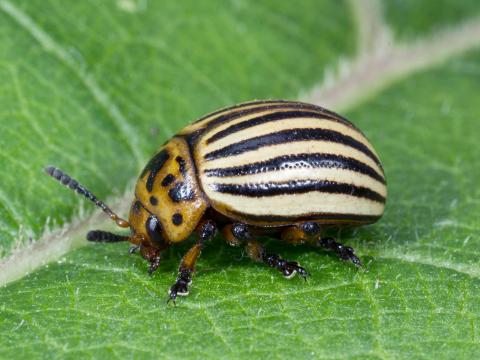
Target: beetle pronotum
x=281, y=168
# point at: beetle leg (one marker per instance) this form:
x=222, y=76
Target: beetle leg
x=187, y=266
x=257, y=252
x=294, y=235
x=152, y=255
x=344, y=252
x=310, y=231
x=237, y=233
x=154, y=264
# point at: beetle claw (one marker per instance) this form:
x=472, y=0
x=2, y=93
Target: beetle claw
x=180, y=288
x=172, y=299
x=288, y=268
x=133, y=249
x=303, y=273
x=354, y=259
x=345, y=253
x=154, y=264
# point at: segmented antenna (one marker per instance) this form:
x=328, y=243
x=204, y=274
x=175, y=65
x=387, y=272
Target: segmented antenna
x=79, y=188
x=105, y=236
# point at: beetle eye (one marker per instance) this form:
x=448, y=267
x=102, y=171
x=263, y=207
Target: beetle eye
x=154, y=230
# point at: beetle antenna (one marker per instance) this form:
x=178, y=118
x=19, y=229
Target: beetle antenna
x=82, y=190
x=105, y=237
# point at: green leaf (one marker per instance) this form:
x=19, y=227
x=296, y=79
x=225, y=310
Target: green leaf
x=96, y=89
x=419, y=294
x=410, y=18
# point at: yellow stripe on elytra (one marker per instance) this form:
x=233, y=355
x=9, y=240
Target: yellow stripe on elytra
x=320, y=174
x=296, y=204
x=259, y=114
x=286, y=124
x=201, y=124
x=300, y=147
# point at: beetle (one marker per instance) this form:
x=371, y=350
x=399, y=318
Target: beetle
x=284, y=169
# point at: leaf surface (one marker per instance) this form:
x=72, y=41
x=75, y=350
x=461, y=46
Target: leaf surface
x=96, y=89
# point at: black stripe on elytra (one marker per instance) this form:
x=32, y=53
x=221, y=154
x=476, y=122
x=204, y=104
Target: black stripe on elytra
x=297, y=187
x=272, y=104
x=319, y=217
x=290, y=135
x=191, y=139
x=239, y=107
x=313, y=110
x=154, y=166
x=216, y=112
x=274, y=116
x=298, y=161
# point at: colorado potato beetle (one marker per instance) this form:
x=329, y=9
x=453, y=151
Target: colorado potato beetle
x=279, y=168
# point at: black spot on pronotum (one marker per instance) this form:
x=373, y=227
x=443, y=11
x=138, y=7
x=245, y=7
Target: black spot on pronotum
x=167, y=180
x=177, y=219
x=181, y=191
x=154, y=166
x=181, y=164
x=153, y=200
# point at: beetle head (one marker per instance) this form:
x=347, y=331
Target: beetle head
x=146, y=228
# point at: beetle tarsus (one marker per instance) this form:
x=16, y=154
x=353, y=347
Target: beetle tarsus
x=180, y=288
x=133, y=249
x=154, y=264
x=344, y=252
x=206, y=231
x=288, y=268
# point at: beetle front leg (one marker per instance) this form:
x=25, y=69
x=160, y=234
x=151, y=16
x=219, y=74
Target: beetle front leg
x=206, y=232
x=152, y=255
x=185, y=272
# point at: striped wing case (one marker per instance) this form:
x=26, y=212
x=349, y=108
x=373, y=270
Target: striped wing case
x=273, y=163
